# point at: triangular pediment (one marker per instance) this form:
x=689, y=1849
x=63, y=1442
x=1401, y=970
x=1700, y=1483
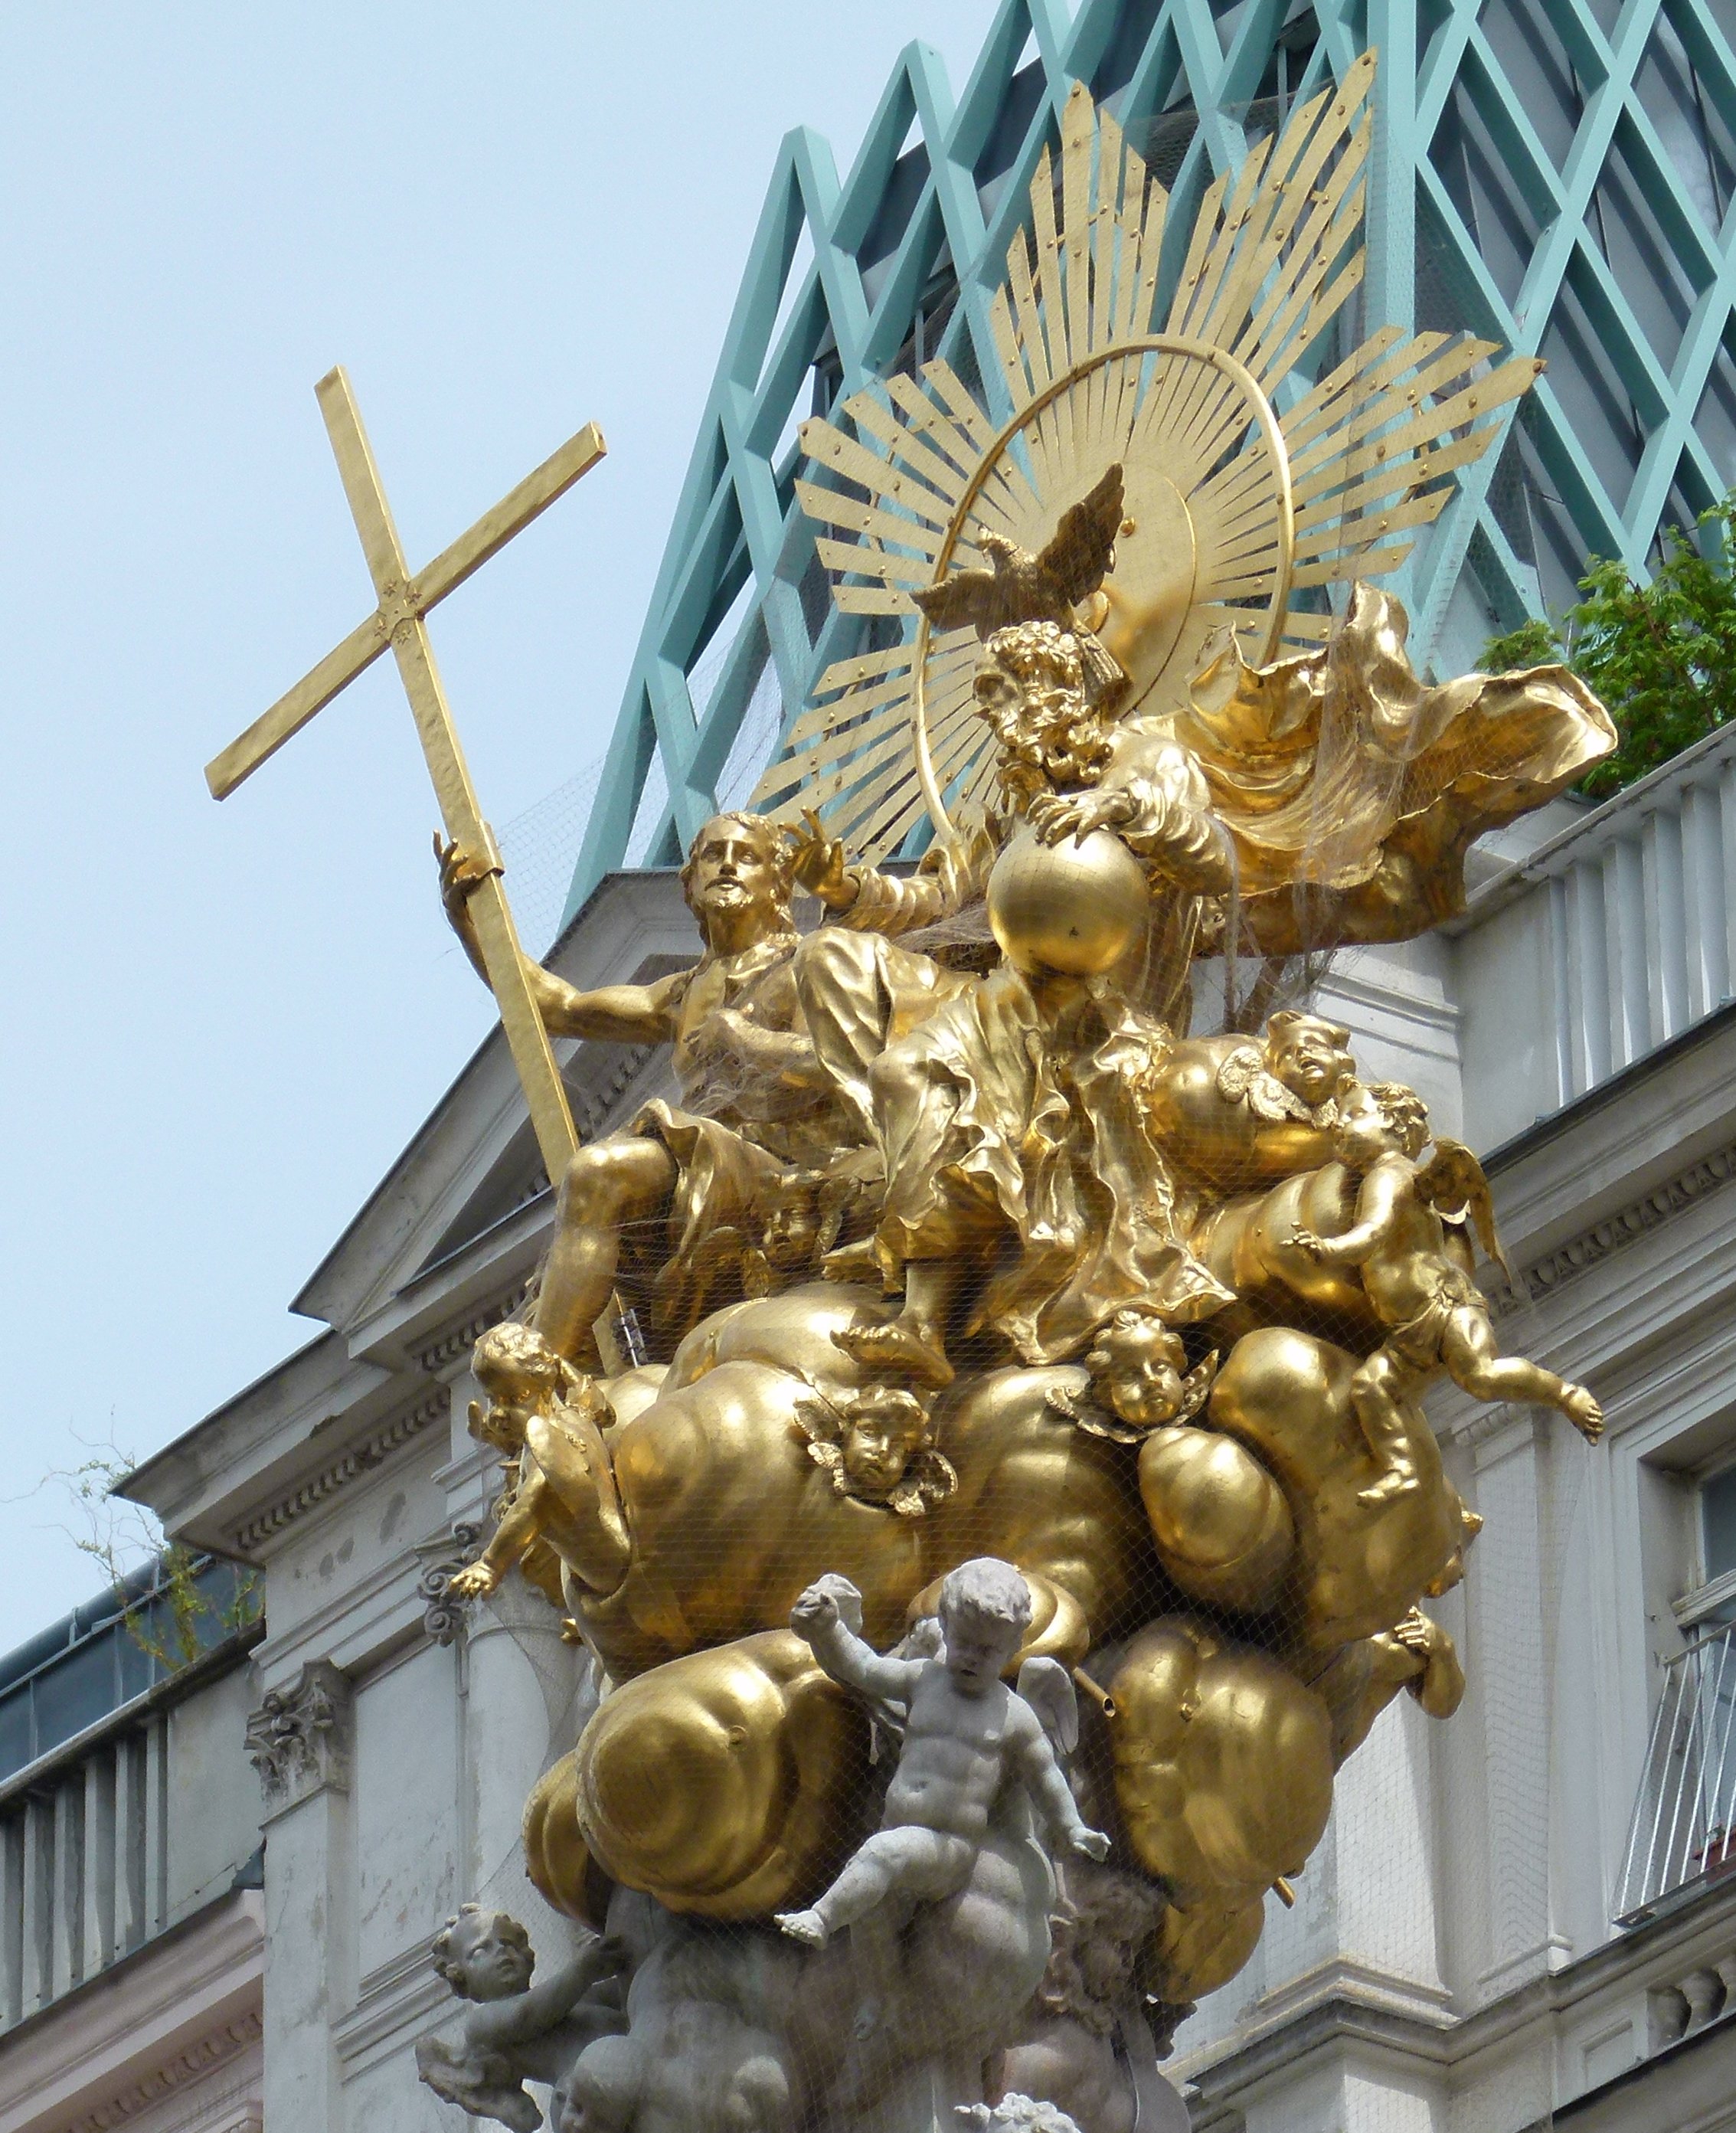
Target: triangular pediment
x=467, y=1200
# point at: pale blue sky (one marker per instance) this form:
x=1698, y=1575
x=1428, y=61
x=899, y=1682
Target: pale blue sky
x=507, y=221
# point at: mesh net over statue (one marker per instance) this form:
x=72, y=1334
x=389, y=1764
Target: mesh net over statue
x=1020, y=1502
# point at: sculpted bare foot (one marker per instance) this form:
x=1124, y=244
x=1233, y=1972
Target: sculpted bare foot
x=1583, y=1412
x=808, y=1927
x=1398, y=1482
x=897, y=1350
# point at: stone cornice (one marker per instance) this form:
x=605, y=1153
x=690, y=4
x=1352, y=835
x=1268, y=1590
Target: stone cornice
x=319, y=1488
x=595, y=1109
x=464, y=1337
x=1342, y=2009
x=1441, y=1016
x=193, y=2063
x=1545, y=1276
x=163, y=2018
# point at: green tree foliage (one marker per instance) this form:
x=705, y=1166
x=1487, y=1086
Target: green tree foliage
x=1662, y=655
x=180, y=1619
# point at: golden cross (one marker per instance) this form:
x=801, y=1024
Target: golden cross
x=397, y=621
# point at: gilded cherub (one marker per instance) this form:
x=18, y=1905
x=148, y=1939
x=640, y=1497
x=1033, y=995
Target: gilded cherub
x=878, y=1448
x=552, y=1416
x=1140, y=1366
x=968, y=1741
x=515, y=2031
x=1235, y=1111
x=1296, y=1072
x=1436, y=1316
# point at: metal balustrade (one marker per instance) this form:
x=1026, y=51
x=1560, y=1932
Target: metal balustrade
x=83, y=1859
x=1608, y=942
x=1684, y=1831
x=89, y=1770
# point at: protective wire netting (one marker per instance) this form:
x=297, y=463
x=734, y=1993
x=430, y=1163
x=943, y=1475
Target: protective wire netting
x=1203, y=1446
x=1054, y=1274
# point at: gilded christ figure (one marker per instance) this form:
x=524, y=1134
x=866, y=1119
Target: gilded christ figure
x=755, y=1110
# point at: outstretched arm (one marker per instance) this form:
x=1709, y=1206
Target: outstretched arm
x=953, y=871
x=1383, y=1193
x=616, y=1015
x=815, y=1619
x=530, y=2014
x=520, y=1523
x=1165, y=812
x=863, y=899
x=1047, y=1783
x=1155, y=800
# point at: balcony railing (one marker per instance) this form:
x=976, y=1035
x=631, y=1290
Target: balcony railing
x=1615, y=937
x=1684, y=1833
x=90, y=1789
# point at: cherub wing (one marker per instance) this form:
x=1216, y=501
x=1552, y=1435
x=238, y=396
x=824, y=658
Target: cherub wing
x=1236, y=1071
x=1452, y=1183
x=1047, y=1687
x=1085, y=1414
x=1196, y=1387
x=967, y=596
x=1083, y=546
x=481, y=2083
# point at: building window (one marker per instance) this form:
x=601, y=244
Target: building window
x=1718, y=1526
x=1683, y=1836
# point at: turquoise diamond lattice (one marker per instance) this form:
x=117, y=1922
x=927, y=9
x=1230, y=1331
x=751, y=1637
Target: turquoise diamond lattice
x=1556, y=175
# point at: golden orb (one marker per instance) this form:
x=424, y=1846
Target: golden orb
x=1077, y=907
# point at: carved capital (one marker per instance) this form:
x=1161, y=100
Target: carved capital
x=298, y=1740
x=444, y=1616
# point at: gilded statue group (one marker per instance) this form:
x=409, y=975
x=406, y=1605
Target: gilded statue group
x=1017, y=1499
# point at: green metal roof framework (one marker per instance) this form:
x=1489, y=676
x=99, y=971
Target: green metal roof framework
x=1556, y=175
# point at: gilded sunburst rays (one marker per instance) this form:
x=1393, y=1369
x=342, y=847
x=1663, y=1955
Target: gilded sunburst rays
x=1253, y=474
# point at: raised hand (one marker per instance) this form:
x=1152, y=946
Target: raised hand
x=1417, y=1634
x=460, y=877
x=1089, y=1844
x=475, y=1581
x=820, y=866
x=1305, y=1240
x=814, y=1613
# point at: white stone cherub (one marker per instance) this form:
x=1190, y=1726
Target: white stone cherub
x=513, y=2031
x=969, y=1741
x=1016, y=2114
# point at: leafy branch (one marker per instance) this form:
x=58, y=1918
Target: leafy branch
x=1662, y=655
x=177, y=1616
